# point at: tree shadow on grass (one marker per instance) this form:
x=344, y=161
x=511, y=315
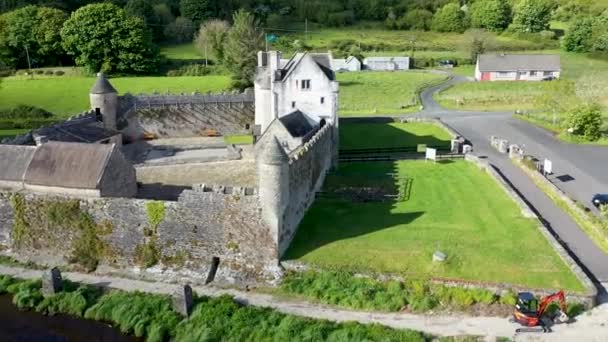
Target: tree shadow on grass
x=335, y=218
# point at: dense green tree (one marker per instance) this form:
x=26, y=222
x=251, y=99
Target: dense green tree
x=32, y=31
x=532, y=15
x=104, y=37
x=579, y=36
x=493, y=15
x=449, y=18
x=145, y=10
x=211, y=38
x=197, y=10
x=180, y=31
x=418, y=19
x=585, y=121
x=244, y=40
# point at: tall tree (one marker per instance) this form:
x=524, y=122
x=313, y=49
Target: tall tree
x=180, y=31
x=244, y=40
x=449, y=18
x=104, y=37
x=532, y=15
x=493, y=15
x=32, y=31
x=197, y=10
x=145, y=10
x=211, y=38
x=579, y=36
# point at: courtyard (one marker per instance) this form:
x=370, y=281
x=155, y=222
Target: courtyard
x=392, y=217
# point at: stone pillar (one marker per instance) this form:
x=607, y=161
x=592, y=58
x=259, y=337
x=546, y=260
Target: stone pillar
x=503, y=146
x=183, y=300
x=51, y=282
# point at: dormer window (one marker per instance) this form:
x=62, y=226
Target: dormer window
x=305, y=84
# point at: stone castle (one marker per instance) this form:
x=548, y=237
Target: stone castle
x=164, y=196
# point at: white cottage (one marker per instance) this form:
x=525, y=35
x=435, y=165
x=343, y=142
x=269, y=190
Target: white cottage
x=503, y=67
x=349, y=64
x=304, y=83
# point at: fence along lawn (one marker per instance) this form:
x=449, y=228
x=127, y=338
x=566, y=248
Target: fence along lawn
x=371, y=93
x=452, y=207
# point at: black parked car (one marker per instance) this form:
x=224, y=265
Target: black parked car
x=600, y=199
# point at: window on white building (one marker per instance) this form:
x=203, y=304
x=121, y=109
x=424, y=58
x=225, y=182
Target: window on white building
x=503, y=74
x=293, y=104
x=547, y=73
x=322, y=100
x=305, y=84
x=533, y=73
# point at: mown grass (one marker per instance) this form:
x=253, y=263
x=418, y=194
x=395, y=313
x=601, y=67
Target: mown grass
x=377, y=135
x=452, y=207
x=545, y=121
x=213, y=319
x=239, y=139
x=381, y=93
x=65, y=96
x=9, y=133
x=180, y=51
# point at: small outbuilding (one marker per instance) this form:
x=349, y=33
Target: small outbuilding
x=80, y=169
x=351, y=63
x=386, y=63
x=501, y=67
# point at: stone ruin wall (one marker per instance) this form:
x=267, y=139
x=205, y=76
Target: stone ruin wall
x=204, y=223
x=308, y=166
x=186, y=115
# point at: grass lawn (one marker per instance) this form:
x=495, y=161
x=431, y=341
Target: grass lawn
x=376, y=135
x=180, y=51
x=453, y=207
x=9, y=133
x=65, y=96
x=239, y=139
x=381, y=93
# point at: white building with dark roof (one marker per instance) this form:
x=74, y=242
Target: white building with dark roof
x=304, y=83
x=346, y=64
x=501, y=67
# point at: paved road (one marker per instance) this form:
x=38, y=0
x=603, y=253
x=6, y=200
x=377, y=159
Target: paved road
x=587, y=167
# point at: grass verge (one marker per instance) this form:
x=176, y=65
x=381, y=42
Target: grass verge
x=594, y=227
x=451, y=207
x=239, y=139
x=559, y=133
x=377, y=93
x=10, y=133
x=213, y=319
x=380, y=135
x=350, y=291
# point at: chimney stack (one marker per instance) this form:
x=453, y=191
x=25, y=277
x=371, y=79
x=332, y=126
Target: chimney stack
x=41, y=139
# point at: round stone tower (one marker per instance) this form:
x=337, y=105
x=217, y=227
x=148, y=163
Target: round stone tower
x=104, y=100
x=273, y=186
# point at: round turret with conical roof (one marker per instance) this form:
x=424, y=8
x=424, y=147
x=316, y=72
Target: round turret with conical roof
x=104, y=100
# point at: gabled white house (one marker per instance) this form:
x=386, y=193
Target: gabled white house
x=349, y=64
x=304, y=83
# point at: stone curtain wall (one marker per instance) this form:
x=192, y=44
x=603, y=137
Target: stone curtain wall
x=163, y=240
x=308, y=166
x=186, y=115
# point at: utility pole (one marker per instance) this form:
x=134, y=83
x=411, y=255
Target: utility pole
x=306, y=29
x=206, y=63
x=266, y=41
x=29, y=63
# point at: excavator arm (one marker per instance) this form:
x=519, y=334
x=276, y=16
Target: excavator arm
x=558, y=297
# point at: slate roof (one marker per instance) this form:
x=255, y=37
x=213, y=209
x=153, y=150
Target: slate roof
x=519, y=62
x=89, y=132
x=296, y=124
x=14, y=161
x=321, y=59
x=102, y=85
x=69, y=165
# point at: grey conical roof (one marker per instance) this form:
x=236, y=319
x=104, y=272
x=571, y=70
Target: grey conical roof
x=102, y=85
x=273, y=153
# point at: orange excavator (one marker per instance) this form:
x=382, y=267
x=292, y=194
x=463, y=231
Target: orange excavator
x=534, y=316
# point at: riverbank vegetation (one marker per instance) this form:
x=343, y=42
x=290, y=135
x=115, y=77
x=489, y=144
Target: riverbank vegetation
x=151, y=316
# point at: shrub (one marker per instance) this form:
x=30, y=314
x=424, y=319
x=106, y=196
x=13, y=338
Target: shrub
x=48, y=72
x=59, y=73
x=585, y=121
x=25, y=112
x=508, y=298
x=39, y=72
x=72, y=301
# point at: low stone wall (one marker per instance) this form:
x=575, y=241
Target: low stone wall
x=590, y=297
x=150, y=239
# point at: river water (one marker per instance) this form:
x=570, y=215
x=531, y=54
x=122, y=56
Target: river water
x=26, y=326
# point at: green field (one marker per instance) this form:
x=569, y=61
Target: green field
x=452, y=207
x=9, y=133
x=376, y=135
x=65, y=96
x=180, y=51
x=381, y=93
